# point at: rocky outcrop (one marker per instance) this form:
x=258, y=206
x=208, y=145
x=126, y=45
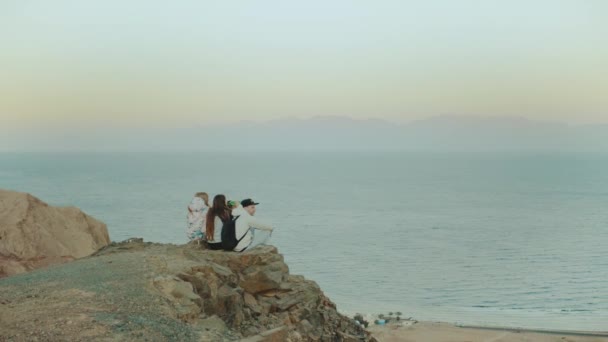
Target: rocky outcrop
x=34, y=234
x=254, y=294
x=136, y=291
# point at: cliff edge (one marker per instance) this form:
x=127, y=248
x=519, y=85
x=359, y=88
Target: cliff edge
x=136, y=291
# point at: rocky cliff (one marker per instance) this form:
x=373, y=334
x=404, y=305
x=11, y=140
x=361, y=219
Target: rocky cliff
x=34, y=234
x=156, y=292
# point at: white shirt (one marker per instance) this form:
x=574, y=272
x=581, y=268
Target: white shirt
x=217, y=230
x=243, y=227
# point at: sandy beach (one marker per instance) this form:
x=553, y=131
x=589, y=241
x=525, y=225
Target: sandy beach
x=444, y=332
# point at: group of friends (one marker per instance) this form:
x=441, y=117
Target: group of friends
x=206, y=222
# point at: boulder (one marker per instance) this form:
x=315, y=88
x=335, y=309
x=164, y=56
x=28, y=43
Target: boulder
x=34, y=234
x=259, y=280
x=181, y=295
x=252, y=303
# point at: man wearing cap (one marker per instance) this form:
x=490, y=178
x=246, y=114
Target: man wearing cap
x=245, y=223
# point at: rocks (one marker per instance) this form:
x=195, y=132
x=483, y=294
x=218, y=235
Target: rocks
x=256, y=297
x=180, y=293
x=254, y=294
x=273, y=335
x=259, y=280
x=252, y=303
x=34, y=234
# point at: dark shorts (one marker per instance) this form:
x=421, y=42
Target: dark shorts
x=215, y=246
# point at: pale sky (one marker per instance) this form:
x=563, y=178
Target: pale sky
x=174, y=63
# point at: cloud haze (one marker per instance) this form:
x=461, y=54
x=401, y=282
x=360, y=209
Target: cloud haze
x=146, y=63
x=438, y=134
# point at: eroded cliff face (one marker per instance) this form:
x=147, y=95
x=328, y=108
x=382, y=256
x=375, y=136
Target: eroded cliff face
x=253, y=292
x=142, y=291
x=34, y=234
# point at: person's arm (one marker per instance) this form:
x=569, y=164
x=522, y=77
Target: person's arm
x=257, y=224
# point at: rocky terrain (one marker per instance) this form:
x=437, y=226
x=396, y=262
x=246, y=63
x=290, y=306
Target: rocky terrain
x=136, y=291
x=34, y=234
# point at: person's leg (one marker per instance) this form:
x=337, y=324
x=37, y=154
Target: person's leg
x=261, y=238
x=265, y=237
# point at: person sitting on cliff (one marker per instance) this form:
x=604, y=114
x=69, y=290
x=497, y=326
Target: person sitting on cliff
x=246, y=224
x=216, y=217
x=197, y=211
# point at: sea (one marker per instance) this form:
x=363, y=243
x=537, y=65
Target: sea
x=488, y=239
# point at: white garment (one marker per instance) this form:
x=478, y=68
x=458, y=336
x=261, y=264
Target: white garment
x=217, y=230
x=196, y=218
x=243, y=226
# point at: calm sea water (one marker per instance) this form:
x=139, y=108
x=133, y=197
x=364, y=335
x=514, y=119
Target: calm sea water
x=509, y=240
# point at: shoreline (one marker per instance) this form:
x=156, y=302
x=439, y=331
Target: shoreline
x=429, y=331
x=411, y=329
x=539, y=331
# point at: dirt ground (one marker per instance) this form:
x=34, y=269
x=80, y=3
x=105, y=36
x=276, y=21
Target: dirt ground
x=103, y=298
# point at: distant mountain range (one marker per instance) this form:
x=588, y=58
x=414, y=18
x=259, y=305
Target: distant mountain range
x=443, y=133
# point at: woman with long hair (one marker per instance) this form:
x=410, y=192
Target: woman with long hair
x=217, y=215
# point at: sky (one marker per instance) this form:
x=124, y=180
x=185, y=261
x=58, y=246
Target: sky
x=178, y=63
